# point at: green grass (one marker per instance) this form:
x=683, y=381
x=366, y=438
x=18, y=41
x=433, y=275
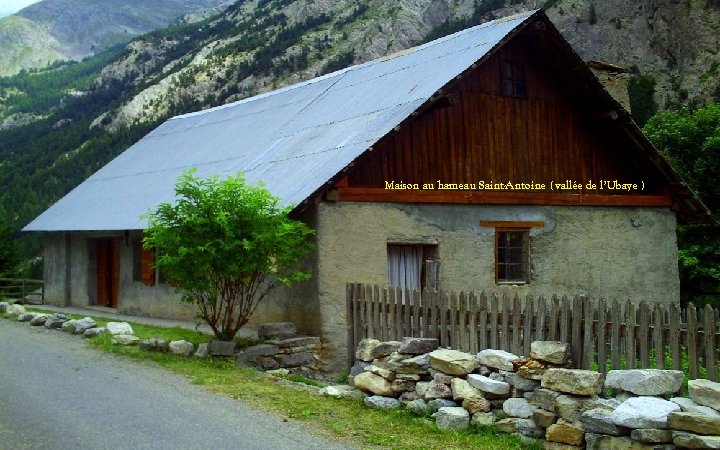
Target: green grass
x=348, y=420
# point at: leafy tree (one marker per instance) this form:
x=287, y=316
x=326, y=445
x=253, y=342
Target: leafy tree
x=225, y=245
x=691, y=141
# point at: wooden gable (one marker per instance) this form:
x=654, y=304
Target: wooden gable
x=547, y=135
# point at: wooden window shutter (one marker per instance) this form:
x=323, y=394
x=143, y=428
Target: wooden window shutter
x=147, y=271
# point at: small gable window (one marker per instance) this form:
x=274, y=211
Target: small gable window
x=512, y=79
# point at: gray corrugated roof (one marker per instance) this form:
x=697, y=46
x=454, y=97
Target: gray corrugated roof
x=293, y=139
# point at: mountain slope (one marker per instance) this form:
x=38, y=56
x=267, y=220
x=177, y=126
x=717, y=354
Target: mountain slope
x=73, y=29
x=59, y=125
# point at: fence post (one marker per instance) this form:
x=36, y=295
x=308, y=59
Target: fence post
x=692, y=332
x=350, y=324
x=709, y=325
x=630, y=347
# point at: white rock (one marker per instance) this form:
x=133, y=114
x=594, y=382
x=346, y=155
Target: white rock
x=518, y=407
x=705, y=392
x=461, y=389
x=115, y=328
x=689, y=405
x=452, y=362
x=499, y=359
x=644, y=412
x=486, y=384
x=83, y=324
x=182, y=347
x=645, y=381
x=342, y=391
x=379, y=402
x=554, y=352
x=452, y=418
x=375, y=384
x=14, y=310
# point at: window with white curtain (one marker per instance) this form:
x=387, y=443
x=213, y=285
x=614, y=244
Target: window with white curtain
x=406, y=264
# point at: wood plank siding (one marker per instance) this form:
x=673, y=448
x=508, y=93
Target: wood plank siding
x=474, y=133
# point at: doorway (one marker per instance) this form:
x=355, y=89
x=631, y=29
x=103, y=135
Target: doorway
x=108, y=272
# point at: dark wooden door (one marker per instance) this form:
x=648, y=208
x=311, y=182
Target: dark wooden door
x=108, y=272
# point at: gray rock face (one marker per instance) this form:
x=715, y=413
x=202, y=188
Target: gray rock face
x=644, y=412
x=297, y=359
x=461, y=389
x=115, y=328
x=554, y=352
x=518, y=407
x=342, y=391
x=476, y=405
x=694, y=423
x=600, y=421
x=419, y=407
x=544, y=399
x=573, y=381
x=26, y=316
x=369, y=382
x=452, y=418
x=39, y=319
x=385, y=348
x=705, y=392
x=94, y=331
x=453, y=362
x=365, y=349
x=203, y=351
x=486, y=384
x=181, y=347
x=651, y=435
x=438, y=403
x=80, y=325
x=14, y=310
x=154, y=344
x=645, y=381
x=3, y=306
x=437, y=390
x=358, y=368
x=222, y=348
x=689, y=440
x=56, y=320
x=418, y=346
x=251, y=353
x=483, y=419
x=689, y=405
x=278, y=330
x=524, y=384
x=379, y=402
x=498, y=359
x=126, y=339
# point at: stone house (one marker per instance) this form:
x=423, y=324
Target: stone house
x=490, y=159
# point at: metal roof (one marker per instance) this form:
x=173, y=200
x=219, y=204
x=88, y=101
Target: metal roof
x=293, y=139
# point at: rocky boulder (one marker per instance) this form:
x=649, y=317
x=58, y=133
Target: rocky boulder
x=203, y=351
x=379, y=402
x=694, y=423
x=419, y=407
x=90, y=332
x=453, y=362
x=689, y=440
x=518, y=407
x=26, y=316
x=689, y=405
x=565, y=433
x=56, y=320
x=39, y=320
x=365, y=349
x=461, y=389
x=452, y=418
x=600, y=421
x=385, y=348
x=78, y=326
x=476, y=405
x=554, y=352
x=154, y=344
x=369, y=382
x=487, y=384
x=497, y=359
x=644, y=412
x=645, y=381
x=181, y=347
x=342, y=391
x=705, y=392
x=418, y=346
x=115, y=328
x=14, y=310
x=3, y=307
x=573, y=381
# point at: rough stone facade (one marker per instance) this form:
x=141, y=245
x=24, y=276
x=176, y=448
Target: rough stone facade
x=615, y=253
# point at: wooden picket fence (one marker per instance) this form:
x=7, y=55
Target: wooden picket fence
x=602, y=335
x=22, y=290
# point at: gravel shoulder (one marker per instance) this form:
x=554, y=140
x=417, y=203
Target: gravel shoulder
x=57, y=393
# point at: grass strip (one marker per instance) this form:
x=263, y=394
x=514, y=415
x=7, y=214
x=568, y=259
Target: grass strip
x=347, y=420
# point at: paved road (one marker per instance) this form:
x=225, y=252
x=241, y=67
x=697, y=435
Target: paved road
x=57, y=393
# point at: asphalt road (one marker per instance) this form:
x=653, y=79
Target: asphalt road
x=57, y=393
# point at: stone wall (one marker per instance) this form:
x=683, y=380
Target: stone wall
x=540, y=396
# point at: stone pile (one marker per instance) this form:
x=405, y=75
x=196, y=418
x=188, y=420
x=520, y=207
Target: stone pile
x=284, y=351
x=540, y=396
